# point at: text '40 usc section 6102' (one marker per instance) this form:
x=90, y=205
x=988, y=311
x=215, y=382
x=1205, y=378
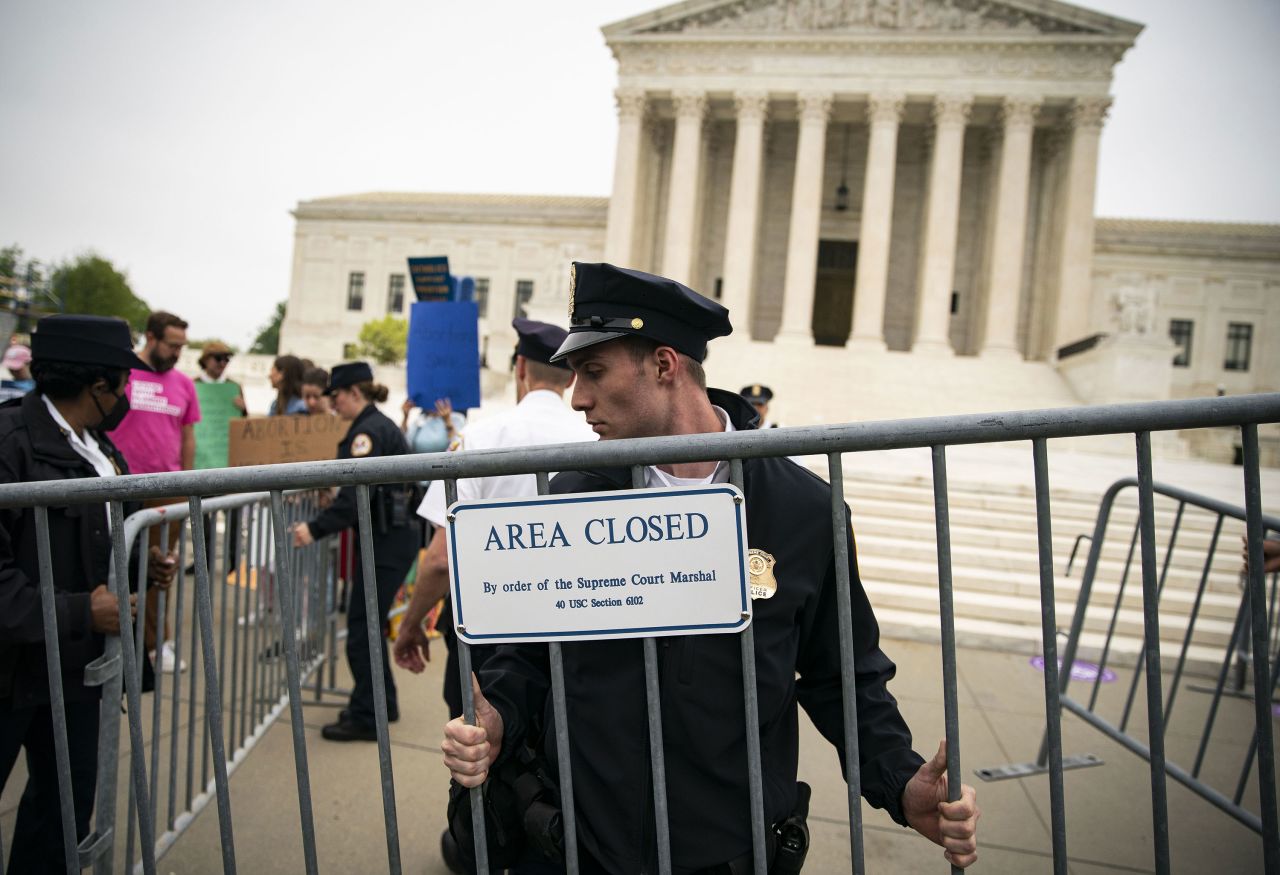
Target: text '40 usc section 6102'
x=635, y=563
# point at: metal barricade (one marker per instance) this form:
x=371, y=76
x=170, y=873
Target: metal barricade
x=1035, y=427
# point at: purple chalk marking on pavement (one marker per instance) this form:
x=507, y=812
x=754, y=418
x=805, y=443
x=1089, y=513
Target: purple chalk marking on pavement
x=1275, y=711
x=1080, y=670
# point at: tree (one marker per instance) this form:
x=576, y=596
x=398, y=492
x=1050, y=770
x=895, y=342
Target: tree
x=268, y=340
x=91, y=285
x=385, y=340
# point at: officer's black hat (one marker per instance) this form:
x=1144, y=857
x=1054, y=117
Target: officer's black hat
x=607, y=302
x=349, y=374
x=539, y=340
x=757, y=394
x=88, y=340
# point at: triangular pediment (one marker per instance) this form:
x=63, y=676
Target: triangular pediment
x=873, y=17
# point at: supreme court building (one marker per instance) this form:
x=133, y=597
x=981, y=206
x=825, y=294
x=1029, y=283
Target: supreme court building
x=894, y=199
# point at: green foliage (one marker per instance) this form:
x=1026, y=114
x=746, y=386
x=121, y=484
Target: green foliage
x=268, y=340
x=385, y=340
x=91, y=285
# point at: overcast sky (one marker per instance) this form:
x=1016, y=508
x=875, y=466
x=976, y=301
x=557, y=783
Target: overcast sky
x=174, y=138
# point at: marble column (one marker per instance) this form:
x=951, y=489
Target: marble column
x=682, y=198
x=1075, y=264
x=942, y=212
x=623, y=203
x=884, y=114
x=744, y=210
x=1009, y=232
x=806, y=220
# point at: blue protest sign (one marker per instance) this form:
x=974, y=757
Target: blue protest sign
x=444, y=354
x=430, y=276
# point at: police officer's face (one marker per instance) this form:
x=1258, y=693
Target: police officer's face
x=348, y=403
x=619, y=396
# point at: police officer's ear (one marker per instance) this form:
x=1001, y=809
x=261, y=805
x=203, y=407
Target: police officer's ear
x=668, y=364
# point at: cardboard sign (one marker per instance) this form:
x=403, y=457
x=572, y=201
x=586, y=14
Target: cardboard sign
x=217, y=410
x=267, y=440
x=638, y=563
x=444, y=354
x=430, y=276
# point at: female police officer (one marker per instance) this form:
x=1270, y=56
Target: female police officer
x=395, y=540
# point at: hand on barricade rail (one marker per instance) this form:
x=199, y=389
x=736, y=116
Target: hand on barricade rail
x=1270, y=555
x=104, y=610
x=953, y=825
x=161, y=567
x=412, y=649
x=301, y=535
x=469, y=750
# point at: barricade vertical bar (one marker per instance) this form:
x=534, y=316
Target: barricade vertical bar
x=567, y=811
x=1264, y=736
x=253, y=562
x=191, y=700
x=109, y=728
x=139, y=642
x=230, y=520
x=951, y=705
x=244, y=523
x=1191, y=620
x=751, y=703
x=1115, y=615
x=175, y=712
x=132, y=686
x=476, y=796
x=157, y=694
x=301, y=768
x=374, y=622
x=1241, y=613
x=1243, y=781
x=848, y=667
x=657, y=754
x=1151, y=653
x=212, y=689
x=1049, y=636
x=57, y=704
x=1164, y=571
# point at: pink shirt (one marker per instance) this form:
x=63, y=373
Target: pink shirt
x=159, y=406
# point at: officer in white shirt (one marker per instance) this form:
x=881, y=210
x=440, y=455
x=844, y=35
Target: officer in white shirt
x=540, y=416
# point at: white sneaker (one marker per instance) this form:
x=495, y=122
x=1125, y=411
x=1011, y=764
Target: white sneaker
x=169, y=662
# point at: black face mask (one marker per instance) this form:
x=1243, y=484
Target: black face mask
x=116, y=415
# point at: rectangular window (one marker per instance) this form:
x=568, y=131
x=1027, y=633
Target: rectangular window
x=395, y=293
x=1180, y=331
x=1239, y=346
x=355, y=290
x=524, y=294
x=482, y=296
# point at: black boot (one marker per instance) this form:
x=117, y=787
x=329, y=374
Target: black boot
x=347, y=729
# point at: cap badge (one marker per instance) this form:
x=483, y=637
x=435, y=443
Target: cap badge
x=637, y=323
x=573, y=285
x=361, y=445
x=760, y=564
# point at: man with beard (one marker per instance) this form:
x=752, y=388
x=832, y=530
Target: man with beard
x=158, y=435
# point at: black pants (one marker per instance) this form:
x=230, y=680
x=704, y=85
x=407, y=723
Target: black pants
x=394, y=552
x=37, y=835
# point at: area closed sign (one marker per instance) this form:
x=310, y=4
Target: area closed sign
x=632, y=564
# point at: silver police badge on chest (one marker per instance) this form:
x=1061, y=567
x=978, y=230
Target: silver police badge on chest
x=763, y=583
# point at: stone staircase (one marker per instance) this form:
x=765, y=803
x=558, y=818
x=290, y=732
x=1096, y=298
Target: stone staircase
x=996, y=573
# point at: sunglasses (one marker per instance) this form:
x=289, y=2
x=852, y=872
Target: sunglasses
x=221, y=358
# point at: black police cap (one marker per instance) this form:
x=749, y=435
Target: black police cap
x=350, y=374
x=608, y=302
x=538, y=341
x=88, y=340
x=757, y=394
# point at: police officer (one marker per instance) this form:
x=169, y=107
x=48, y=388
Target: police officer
x=395, y=540
x=539, y=417
x=759, y=396
x=58, y=432
x=636, y=346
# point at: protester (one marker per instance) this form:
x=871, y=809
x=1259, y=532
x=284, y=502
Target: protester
x=395, y=541
x=286, y=379
x=17, y=359
x=58, y=432
x=636, y=346
x=158, y=436
x=220, y=399
x=314, y=383
x=432, y=431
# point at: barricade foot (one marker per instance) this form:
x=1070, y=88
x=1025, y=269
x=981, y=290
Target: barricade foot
x=1026, y=770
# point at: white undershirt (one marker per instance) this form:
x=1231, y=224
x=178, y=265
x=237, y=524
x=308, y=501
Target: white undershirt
x=87, y=447
x=659, y=479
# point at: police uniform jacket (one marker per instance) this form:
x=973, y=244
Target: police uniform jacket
x=371, y=434
x=797, y=661
x=32, y=448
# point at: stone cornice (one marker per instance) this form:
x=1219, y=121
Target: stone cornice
x=1191, y=239
x=568, y=211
